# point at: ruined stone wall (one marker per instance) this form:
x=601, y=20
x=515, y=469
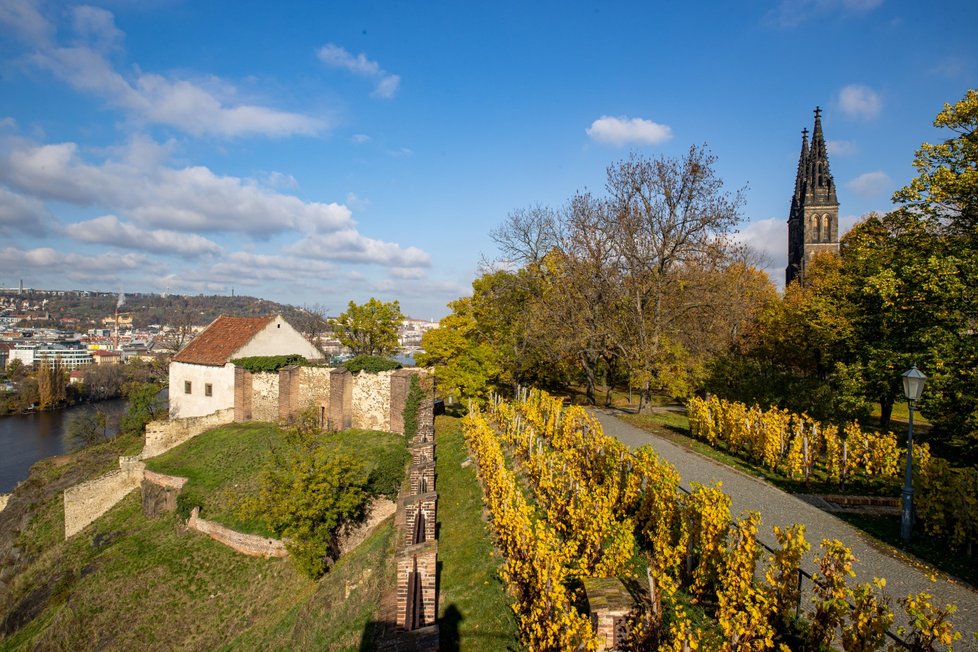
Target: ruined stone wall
x=372, y=400
x=264, y=396
x=160, y=492
x=87, y=501
x=247, y=544
x=161, y=436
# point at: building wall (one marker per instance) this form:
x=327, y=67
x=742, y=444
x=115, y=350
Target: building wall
x=278, y=338
x=195, y=404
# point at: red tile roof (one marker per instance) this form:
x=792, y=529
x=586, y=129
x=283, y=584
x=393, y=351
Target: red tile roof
x=219, y=341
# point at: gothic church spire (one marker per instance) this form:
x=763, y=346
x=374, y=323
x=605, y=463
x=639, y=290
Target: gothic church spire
x=813, y=222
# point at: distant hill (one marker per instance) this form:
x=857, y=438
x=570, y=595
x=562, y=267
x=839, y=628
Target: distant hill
x=170, y=310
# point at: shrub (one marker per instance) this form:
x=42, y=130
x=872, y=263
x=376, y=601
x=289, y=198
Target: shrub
x=306, y=498
x=260, y=363
x=372, y=364
x=386, y=477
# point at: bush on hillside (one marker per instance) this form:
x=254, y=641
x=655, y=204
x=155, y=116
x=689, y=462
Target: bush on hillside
x=307, y=497
x=372, y=364
x=388, y=473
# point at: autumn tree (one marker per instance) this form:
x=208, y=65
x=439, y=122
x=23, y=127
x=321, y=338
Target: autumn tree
x=371, y=328
x=465, y=364
x=668, y=216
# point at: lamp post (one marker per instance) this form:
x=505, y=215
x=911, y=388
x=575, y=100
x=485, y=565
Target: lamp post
x=913, y=385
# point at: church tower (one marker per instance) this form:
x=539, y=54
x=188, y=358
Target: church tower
x=813, y=223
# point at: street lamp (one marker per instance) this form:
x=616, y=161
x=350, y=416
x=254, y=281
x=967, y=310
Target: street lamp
x=913, y=385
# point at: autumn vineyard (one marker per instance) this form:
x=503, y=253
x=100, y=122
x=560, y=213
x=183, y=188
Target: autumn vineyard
x=566, y=502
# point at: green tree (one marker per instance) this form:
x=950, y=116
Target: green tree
x=307, y=497
x=946, y=185
x=371, y=328
x=945, y=192
x=465, y=364
x=85, y=428
x=145, y=405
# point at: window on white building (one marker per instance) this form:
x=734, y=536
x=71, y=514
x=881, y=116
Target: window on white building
x=186, y=387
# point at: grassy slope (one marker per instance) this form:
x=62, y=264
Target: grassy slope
x=128, y=581
x=156, y=585
x=224, y=466
x=473, y=606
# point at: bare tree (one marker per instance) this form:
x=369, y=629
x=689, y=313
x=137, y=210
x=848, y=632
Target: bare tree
x=668, y=216
x=527, y=234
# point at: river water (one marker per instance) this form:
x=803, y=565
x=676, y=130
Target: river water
x=27, y=438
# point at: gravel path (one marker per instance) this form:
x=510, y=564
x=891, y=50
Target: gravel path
x=747, y=492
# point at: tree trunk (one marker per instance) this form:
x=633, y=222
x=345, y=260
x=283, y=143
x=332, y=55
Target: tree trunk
x=886, y=411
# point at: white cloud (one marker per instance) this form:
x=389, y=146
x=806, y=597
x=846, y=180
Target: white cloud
x=870, y=184
x=8, y=123
x=407, y=273
x=102, y=268
x=356, y=202
x=140, y=189
x=360, y=139
x=195, y=108
x=109, y=230
x=387, y=87
x=353, y=247
x=336, y=56
x=792, y=13
x=623, y=130
x=859, y=101
x=841, y=147
x=24, y=214
x=96, y=26
x=769, y=238
x=25, y=21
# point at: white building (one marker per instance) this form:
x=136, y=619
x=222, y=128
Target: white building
x=201, y=374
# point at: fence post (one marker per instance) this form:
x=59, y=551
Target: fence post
x=801, y=577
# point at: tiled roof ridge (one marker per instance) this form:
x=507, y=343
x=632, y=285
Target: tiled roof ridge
x=221, y=339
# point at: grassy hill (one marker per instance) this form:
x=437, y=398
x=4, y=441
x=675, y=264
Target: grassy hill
x=128, y=582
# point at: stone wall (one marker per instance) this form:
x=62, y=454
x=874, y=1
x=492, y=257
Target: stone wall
x=421, y=477
x=248, y=544
x=161, y=436
x=3, y=501
x=264, y=396
x=378, y=511
x=314, y=392
x=87, y=501
x=372, y=400
x=160, y=492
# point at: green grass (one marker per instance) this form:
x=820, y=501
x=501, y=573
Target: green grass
x=473, y=607
x=224, y=466
x=128, y=582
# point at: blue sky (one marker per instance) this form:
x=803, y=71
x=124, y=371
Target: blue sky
x=314, y=153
